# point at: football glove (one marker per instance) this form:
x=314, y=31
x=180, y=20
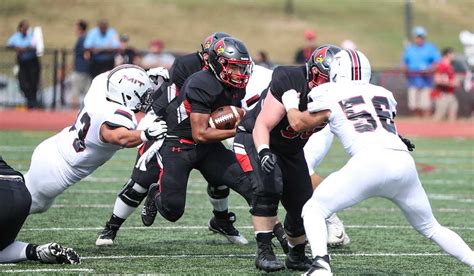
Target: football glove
x=290, y=99
x=267, y=160
x=407, y=143
x=54, y=253
x=157, y=130
x=158, y=75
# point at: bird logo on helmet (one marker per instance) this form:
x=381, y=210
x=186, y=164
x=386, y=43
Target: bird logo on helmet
x=317, y=67
x=208, y=43
x=230, y=62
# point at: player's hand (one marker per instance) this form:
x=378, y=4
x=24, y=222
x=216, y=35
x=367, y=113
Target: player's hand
x=156, y=131
x=407, y=142
x=158, y=75
x=291, y=99
x=267, y=160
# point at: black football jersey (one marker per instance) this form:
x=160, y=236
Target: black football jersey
x=283, y=138
x=183, y=67
x=201, y=93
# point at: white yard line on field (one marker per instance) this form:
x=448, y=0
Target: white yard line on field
x=197, y=227
x=47, y=270
x=253, y=255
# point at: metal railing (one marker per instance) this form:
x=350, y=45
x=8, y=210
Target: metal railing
x=55, y=82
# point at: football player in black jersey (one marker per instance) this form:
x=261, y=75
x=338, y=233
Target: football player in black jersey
x=15, y=201
x=135, y=189
x=272, y=150
x=192, y=144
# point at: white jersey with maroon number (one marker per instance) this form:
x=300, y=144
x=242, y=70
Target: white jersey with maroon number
x=361, y=115
x=76, y=151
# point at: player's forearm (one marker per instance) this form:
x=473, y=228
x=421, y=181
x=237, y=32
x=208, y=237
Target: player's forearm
x=261, y=136
x=303, y=121
x=128, y=139
x=212, y=135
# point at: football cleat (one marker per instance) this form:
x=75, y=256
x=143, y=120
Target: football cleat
x=319, y=266
x=226, y=228
x=336, y=233
x=53, y=253
x=107, y=236
x=296, y=258
x=266, y=259
x=149, y=210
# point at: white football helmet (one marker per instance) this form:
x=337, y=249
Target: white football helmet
x=350, y=65
x=130, y=86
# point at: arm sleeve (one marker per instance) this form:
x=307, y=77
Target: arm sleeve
x=121, y=118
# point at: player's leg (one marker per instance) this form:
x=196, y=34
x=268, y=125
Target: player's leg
x=315, y=150
x=43, y=179
x=244, y=141
x=338, y=191
x=297, y=190
x=221, y=170
x=168, y=197
x=412, y=199
x=266, y=190
x=15, y=202
x=130, y=197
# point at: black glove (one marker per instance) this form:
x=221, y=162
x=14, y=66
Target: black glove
x=408, y=143
x=267, y=160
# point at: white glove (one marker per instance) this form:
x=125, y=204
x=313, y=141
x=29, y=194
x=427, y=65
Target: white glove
x=158, y=75
x=152, y=151
x=146, y=121
x=291, y=99
x=157, y=130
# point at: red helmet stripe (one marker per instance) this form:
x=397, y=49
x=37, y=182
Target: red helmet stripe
x=355, y=61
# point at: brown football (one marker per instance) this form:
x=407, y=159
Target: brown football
x=225, y=117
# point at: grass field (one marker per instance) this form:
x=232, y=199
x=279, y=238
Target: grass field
x=382, y=241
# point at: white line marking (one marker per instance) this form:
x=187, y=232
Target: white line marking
x=7, y=264
x=48, y=270
x=253, y=255
x=194, y=227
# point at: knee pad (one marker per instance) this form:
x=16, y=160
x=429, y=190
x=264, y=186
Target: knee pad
x=218, y=192
x=264, y=206
x=172, y=211
x=129, y=194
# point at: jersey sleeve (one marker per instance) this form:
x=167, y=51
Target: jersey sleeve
x=318, y=99
x=200, y=100
x=121, y=118
x=280, y=83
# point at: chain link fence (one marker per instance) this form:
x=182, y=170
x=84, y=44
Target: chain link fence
x=55, y=85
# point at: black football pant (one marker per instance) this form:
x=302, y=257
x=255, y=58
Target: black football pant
x=215, y=162
x=29, y=77
x=289, y=183
x=15, y=201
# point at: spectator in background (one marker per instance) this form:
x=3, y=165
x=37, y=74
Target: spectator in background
x=262, y=59
x=445, y=84
x=30, y=68
x=80, y=78
x=126, y=54
x=303, y=54
x=156, y=57
x=102, y=42
x=420, y=60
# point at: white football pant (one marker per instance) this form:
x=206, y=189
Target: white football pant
x=378, y=173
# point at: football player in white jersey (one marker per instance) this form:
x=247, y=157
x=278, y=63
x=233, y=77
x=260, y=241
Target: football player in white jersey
x=105, y=124
x=361, y=116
